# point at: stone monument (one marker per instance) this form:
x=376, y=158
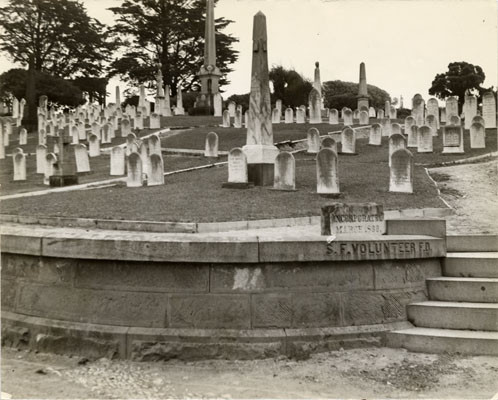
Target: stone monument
x=362, y=90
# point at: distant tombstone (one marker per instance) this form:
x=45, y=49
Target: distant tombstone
x=50, y=167
x=218, y=105
x=81, y=157
x=275, y=116
x=489, y=110
x=424, y=139
x=330, y=143
x=125, y=127
x=347, y=116
x=289, y=115
x=138, y=121
x=433, y=109
x=117, y=161
x=386, y=126
x=226, y=119
x=479, y=120
x=231, y=108
x=246, y=119
x=19, y=159
x=348, y=141
x=156, y=176
x=413, y=136
x=143, y=150
x=451, y=107
x=237, y=167
x=327, y=172
x=364, y=119
x=81, y=130
x=395, y=128
x=409, y=122
x=134, y=167
x=333, y=117
x=154, y=121
x=285, y=172
x=418, y=107
x=393, y=114
x=401, y=172
x=211, y=147
x=380, y=114
x=106, y=134
x=154, y=144
x=477, y=136
x=41, y=154
x=453, y=139
x=23, y=137
x=387, y=109
x=396, y=141
x=356, y=115
x=96, y=129
x=372, y=113
x=313, y=141
x=455, y=120
x=431, y=122
x=375, y=137
x=75, y=134
x=237, y=121
x=470, y=109
x=278, y=106
x=300, y=116
x=130, y=140
x=94, y=146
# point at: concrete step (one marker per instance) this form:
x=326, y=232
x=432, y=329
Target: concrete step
x=461, y=243
x=477, y=290
x=428, y=340
x=476, y=265
x=453, y=315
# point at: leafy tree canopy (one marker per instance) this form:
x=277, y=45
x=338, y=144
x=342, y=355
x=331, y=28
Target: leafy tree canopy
x=63, y=40
x=289, y=86
x=171, y=32
x=339, y=94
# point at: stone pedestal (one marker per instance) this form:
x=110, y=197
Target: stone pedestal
x=260, y=163
x=63, y=180
x=362, y=102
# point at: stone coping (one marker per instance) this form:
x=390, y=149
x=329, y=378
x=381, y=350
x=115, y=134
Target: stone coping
x=202, y=227
x=220, y=248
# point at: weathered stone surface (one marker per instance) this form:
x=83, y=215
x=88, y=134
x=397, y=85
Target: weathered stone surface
x=271, y=310
x=54, y=271
x=417, y=226
x=316, y=309
x=352, y=218
x=9, y=290
x=400, y=274
x=285, y=171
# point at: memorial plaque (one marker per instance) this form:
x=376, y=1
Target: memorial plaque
x=477, y=136
x=352, y=219
x=347, y=115
x=237, y=166
x=313, y=141
x=327, y=172
x=413, y=136
x=375, y=137
x=453, y=139
x=401, y=172
x=489, y=110
x=348, y=141
x=424, y=144
x=285, y=172
x=396, y=141
x=333, y=117
x=289, y=115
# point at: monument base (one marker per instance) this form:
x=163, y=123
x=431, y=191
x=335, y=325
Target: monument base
x=63, y=180
x=330, y=195
x=237, y=185
x=261, y=174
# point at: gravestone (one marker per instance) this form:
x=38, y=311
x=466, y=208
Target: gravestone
x=333, y=117
x=275, y=116
x=231, y=109
x=347, y=115
x=348, y=141
x=470, y=110
x=41, y=154
x=81, y=130
x=211, y=147
x=489, y=110
x=375, y=137
x=50, y=167
x=431, y=122
x=387, y=109
x=285, y=172
x=278, y=106
x=42, y=136
x=433, y=109
x=455, y=120
x=289, y=115
x=23, y=137
x=218, y=105
x=477, y=136
x=130, y=140
x=478, y=119
x=327, y=172
x=364, y=119
x=393, y=114
x=81, y=157
x=226, y=119
x=96, y=130
x=451, y=107
x=372, y=113
x=237, y=170
x=134, y=168
x=385, y=123
x=19, y=160
x=300, y=116
x=424, y=139
x=313, y=141
x=380, y=114
x=125, y=127
x=65, y=173
x=418, y=107
x=106, y=134
x=356, y=115
x=395, y=128
x=315, y=102
x=329, y=143
x=138, y=121
x=75, y=134
x=413, y=136
x=401, y=172
x=237, y=122
x=94, y=146
x=154, y=121
x=117, y=161
x=154, y=144
x=156, y=175
x=453, y=139
x=246, y=119
x=143, y=150
x=409, y=122
x=396, y=141
x=352, y=218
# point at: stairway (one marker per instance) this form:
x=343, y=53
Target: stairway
x=461, y=315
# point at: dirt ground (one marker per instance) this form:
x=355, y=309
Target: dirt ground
x=360, y=373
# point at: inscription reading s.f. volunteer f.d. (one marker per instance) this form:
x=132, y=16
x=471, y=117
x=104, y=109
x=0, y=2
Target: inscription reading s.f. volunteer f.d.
x=380, y=249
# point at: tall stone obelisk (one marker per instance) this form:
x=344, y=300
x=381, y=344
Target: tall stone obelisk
x=209, y=74
x=259, y=150
x=159, y=106
x=362, y=91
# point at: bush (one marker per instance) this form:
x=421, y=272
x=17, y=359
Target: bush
x=402, y=113
x=339, y=94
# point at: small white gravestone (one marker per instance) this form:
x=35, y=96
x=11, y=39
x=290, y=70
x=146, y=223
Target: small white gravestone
x=144, y=155
x=289, y=115
x=231, y=108
x=418, y=108
x=433, y=109
x=375, y=137
x=81, y=130
x=19, y=159
x=154, y=121
x=348, y=141
x=477, y=136
x=237, y=120
x=226, y=119
x=387, y=109
x=470, y=109
x=275, y=116
x=451, y=107
x=23, y=137
x=409, y=122
x=138, y=121
x=327, y=172
x=125, y=127
x=356, y=115
x=75, y=134
x=424, y=140
x=217, y=105
x=95, y=129
x=300, y=116
x=329, y=143
x=453, y=139
x=117, y=161
x=489, y=110
x=364, y=118
x=455, y=120
x=278, y=106
x=386, y=126
x=333, y=117
x=313, y=141
x=154, y=145
x=50, y=167
x=315, y=106
x=347, y=116
x=285, y=172
x=156, y=176
x=401, y=172
x=372, y=113
x=81, y=157
x=211, y=147
x=130, y=141
x=413, y=136
x=393, y=113
x=380, y=114
x=94, y=146
x=431, y=122
x=237, y=167
x=134, y=167
x=396, y=141
x=395, y=128
x=41, y=154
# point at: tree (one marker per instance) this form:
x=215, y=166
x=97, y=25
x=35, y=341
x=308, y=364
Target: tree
x=460, y=78
x=289, y=86
x=60, y=36
x=171, y=32
x=338, y=94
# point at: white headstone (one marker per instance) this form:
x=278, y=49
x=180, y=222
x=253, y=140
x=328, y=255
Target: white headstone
x=81, y=130
x=237, y=166
x=117, y=161
x=19, y=159
x=211, y=148
x=138, y=121
x=125, y=127
x=154, y=144
x=375, y=137
x=156, y=176
x=106, y=134
x=478, y=119
x=418, y=107
x=218, y=105
x=395, y=128
x=364, y=119
x=130, y=142
x=144, y=155
x=81, y=157
x=313, y=141
x=41, y=154
x=380, y=114
x=333, y=117
x=315, y=107
x=386, y=126
x=134, y=167
x=455, y=120
x=451, y=107
x=470, y=109
x=327, y=172
x=154, y=121
x=226, y=119
x=401, y=172
x=433, y=109
x=275, y=116
x=348, y=141
x=237, y=121
x=347, y=115
x=396, y=141
x=393, y=114
x=23, y=137
x=285, y=172
x=442, y=117
x=356, y=115
x=231, y=108
x=2, y=144
x=453, y=139
x=289, y=115
x=372, y=113
x=431, y=122
x=477, y=136
x=50, y=167
x=94, y=146
x=300, y=116
x=424, y=139
x=413, y=136
x=489, y=110
x=278, y=106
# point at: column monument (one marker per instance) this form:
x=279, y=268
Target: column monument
x=362, y=91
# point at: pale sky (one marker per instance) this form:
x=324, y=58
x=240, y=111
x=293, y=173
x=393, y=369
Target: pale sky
x=404, y=43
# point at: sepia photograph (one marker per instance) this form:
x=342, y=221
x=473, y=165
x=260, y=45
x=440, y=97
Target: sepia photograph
x=249, y=199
